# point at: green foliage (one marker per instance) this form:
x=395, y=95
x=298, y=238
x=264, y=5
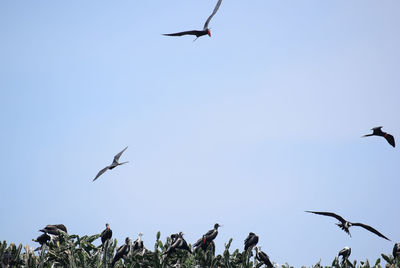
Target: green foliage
x=73, y=251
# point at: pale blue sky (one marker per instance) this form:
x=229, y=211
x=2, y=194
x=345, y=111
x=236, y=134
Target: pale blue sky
x=248, y=128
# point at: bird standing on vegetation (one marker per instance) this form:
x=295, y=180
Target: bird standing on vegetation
x=377, y=131
x=138, y=244
x=54, y=229
x=345, y=253
x=345, y=225
x=262, y=257
x=250, y=241
x=114, y=164
x=205, y=30
x=106, y=234
x=396, y=250
x=179, y=243
x=207, y=238
x=42, y=239
x=122, y=252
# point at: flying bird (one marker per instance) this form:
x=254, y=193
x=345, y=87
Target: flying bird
x=262, y=257
x=250, y=241
x=114, y=164
x=345, y=253
x=396, y=250
x=106, y=234
x=54, y=229
x=207, y=238
x=122, y=252
x=345, y=225
x=377, y=131
x=205, y=30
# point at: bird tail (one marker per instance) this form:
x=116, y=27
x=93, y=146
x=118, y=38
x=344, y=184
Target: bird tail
x=123, y=163
x=367, y=135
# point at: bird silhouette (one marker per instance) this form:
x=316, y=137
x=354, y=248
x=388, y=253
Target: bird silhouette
x=122, y=252
x=138, y=244
x=106, y=234
x=207, y=238
x=205, y=30
x=345, y=253
x=250, y=241
x=178, y=243
x=377, y=131
x=262, y=257
x=54, y=229
x=114, y=164
x=396, y=250
x=345, y=225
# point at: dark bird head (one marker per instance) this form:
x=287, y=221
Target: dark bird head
x=216, y=226
x=127, y=240
x=252, y=234
x=209, y=32
x=107, y=226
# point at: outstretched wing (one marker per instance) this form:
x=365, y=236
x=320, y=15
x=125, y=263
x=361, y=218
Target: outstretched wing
x=118, y=155
x=390, y=139
x=330, y=214
x=369, y=228
x=377, y=128
x=212, y=15
x=194, y=32
x=101, y=172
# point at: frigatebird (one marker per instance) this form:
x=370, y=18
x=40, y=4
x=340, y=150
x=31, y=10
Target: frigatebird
x=345, y=225
x=179, y=243
x=262, y=257
x=345, y=253
x=106, y=234
x=377, y=131
x=138, y=244
x=122, y=252
x=205, y=30
x=207, y=238
x=114, y=164
x=42, y=239
x=250, y=241
x=396, y=250
x=54, y=229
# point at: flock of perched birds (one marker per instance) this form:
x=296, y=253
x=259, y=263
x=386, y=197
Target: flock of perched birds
x=177, y=240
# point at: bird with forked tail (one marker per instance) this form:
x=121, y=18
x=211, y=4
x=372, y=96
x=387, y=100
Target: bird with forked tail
x=377, y=131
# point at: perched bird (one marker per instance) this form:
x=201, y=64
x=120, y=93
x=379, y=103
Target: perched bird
x=262, y=257
x=345, y=225
x=345, y=253
x=250, y=241
x=396, y=250
x=42, y=239
x=106, y=234
x=138, y=244
x=207, y=238
x=122, y=252
x=377, y=131
x=114, y=164
x=205, y=30
x=54, y=229
x=179, y=243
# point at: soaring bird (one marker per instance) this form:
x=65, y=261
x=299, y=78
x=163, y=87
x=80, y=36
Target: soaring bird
x=179, y=243
x=345, y=253
x=250, y=241
x=122, y=252
x=262, y=257
x=138, y=244
x=106, y=234
x=205, y=30
x=114, y=164
x=54, y=229
x=207, y=238
x=396, y=250
x=377, y=131
x=345, y=225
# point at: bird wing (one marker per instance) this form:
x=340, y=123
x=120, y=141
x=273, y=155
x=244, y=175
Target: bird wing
x=264, y=257
x=390, y=139
x=118, y=155
x=376, y=128
x=209, y=232
x=369, y=228
x=330, y=214
x=101, y=172
x=193, y=32
x=212, y=15
x=198, y=243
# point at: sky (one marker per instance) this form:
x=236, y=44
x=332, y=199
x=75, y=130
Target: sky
x=248, y=128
